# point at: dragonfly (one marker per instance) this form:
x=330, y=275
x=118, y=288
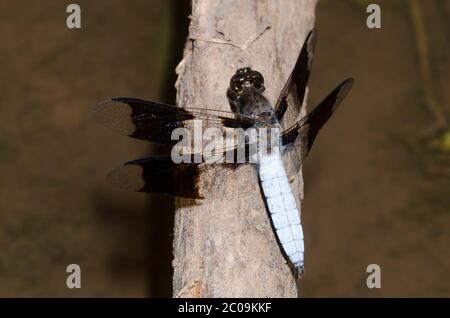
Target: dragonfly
x=155, y=122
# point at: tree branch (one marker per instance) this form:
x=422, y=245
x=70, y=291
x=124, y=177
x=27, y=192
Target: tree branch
x=226, y=247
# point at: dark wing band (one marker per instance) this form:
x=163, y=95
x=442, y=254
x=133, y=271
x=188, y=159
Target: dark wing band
x=303, y=133
x=293, y=93
x=159, y=174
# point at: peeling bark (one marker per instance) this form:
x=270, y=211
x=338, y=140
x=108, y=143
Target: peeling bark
x=226, y=247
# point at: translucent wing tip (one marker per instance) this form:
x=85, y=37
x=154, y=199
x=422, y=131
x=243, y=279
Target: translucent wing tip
x=311, y=37
x=102, y=106
x=349, y=81
x=344, y=88
x=99, y=106
x=114, y=113
x=311, y=40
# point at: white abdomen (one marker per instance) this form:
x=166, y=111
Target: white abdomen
x=282, y=207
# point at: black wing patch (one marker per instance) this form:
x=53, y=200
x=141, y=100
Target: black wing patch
x=159, y=174
x=303, y=133
x=293, y=93
x=155, y=122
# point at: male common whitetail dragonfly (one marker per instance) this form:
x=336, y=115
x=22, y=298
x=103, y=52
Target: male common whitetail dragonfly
x=155, y=122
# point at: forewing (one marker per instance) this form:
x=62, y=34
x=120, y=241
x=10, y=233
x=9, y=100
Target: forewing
x=155, y=122
x=293, y=93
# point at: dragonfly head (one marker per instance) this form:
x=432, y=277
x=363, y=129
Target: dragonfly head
x=245, y=80
x=245, y=92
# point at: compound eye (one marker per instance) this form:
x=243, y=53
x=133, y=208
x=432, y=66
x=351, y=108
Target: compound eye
x=257, y=83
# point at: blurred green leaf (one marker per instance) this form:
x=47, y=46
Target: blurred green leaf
x=442, y=142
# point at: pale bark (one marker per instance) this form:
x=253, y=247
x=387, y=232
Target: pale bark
x=226, y=247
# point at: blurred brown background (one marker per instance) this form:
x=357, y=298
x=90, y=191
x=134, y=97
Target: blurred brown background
x=377, y=181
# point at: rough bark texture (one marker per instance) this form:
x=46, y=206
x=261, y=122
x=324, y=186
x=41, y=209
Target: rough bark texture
x=226, y=247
